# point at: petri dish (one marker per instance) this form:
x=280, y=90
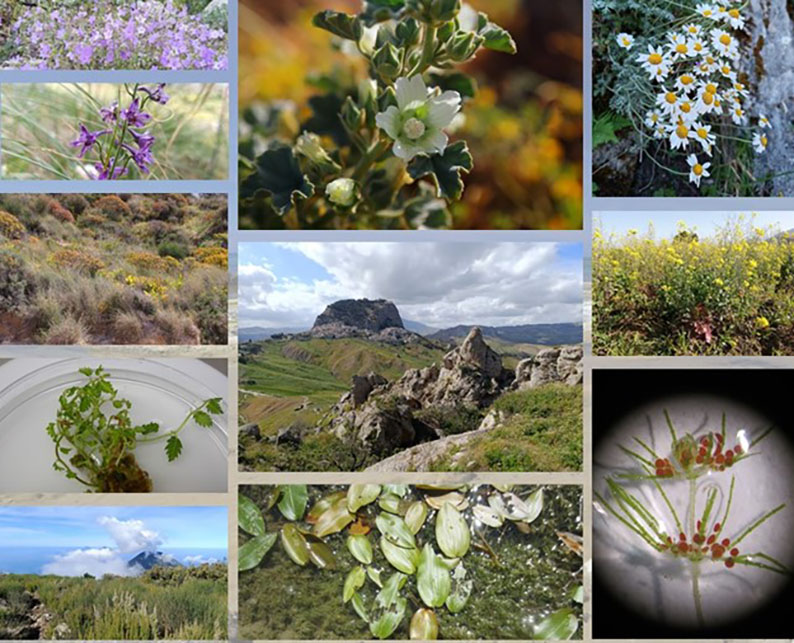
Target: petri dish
x=162, y=391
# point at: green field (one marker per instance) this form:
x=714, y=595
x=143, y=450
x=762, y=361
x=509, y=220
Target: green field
x=163, y=603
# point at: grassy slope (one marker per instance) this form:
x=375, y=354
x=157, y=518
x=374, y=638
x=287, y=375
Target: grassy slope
x=190, y=607
x=543, y=432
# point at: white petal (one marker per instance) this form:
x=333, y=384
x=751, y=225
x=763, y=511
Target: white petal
x=389, y=121
x=409, y=91
x=405, y=151
x=443, y=109
x=438, y=140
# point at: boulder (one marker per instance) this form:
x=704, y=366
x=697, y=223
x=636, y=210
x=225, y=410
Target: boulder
x=251, y=431
x=383, y=430
x=544, y=370
x=524, y=370
x=569, y=364
x=476, y=353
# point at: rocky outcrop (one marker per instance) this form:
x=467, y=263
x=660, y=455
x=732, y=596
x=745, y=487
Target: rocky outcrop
x=550, y=365
x=363, y=386
x=365, y=314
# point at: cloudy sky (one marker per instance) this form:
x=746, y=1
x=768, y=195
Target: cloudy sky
x=100, y=540
x=706, y=224
x=438, y=284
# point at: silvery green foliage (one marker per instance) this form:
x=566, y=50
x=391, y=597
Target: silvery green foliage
x=376, y=150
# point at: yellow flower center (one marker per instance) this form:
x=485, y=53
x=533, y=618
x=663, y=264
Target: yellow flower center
x=693, y=29
x=686, y=108
x=702, y=133
x=726, y=69
x=733, y=13
x=697, y=169
x=738, y=111
x=708, y=98
x=626, y=41
x=764, y=141
x=681, y=48
x=710, y=60
x=711, y=88
x=725, y=39
x=671, y=98
x=707, y=13
x=682, y=131
x=686, y=79
x=698, y=46
x=655, y=59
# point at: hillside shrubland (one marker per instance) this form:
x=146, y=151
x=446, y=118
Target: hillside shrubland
x=113, y=269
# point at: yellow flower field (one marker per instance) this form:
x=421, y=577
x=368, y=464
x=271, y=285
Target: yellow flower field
x=729, y=294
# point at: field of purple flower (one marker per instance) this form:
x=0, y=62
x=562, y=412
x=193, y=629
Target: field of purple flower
x=113, y=34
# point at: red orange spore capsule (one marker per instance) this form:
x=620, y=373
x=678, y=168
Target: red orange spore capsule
x=682, y=537
x=726, y=542
x=734, y=552
x=716, y=526
x=659, y=463
x=711, y=539
x=729, y=563
x=738, y=449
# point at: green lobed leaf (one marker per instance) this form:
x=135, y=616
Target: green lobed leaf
x=295, y=544
x=496, y=38
x=401, y=558
x=374, y=576
x=359, y=495
x=452, y=532
x=340, y=24
x=249, y=517
x=432, y=578
x=292, y=504
x=354, y=581
x=202, y=418
x=359, y=548
x=444, y=169
x=277, y=173
x=252, y=552
x=173, y=447
x=214, y=406
x=560, y=626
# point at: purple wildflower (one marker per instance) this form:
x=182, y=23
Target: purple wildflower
x=110, y=113
x=134, y=116
x=103, y=173
x=142, y=157
x=143, y=140
x=157, y=94
x=87, y=139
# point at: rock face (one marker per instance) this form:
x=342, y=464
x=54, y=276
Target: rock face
x=366, y=314
x=550, y=365
x=772, y=42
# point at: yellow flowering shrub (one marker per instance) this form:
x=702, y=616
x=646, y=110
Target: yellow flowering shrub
x=732, y=294
x=152, y=262
x=212, y=256
x=10, y=226
x=71, y=259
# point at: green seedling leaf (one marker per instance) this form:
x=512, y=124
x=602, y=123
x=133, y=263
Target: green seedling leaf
x=395, y=530
x=461, y=590
x=415, y=516
x=295, y=544
x=277, y=173
x=202, y=419
x=452, y=532
x=560, y=626
x=360, y=548
x=444, y=169
x=339, y=24
x=389, y=620
x=252, y=552
x=424, y=625
x=355, y=580
x=214, y=406
x=359, y=495
x=173, y=447
x=391, y=503
x=293, y=501
x=401, y=558
x=249, y=517
x=432, y=578
x=496, y=38
x=400, y=490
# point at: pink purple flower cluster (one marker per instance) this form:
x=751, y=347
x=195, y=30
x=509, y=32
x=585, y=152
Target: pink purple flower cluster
x=124, y=140
x=137, y=34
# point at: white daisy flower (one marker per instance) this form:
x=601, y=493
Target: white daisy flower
x=653, y=118
x=760, y=141
x=702, y=134
x=660, y=132
x=740, y=89
x=668, y=102
x=707, y=97
x=735, y=19
x=688, y=111
x=679, y=135
x=707, y=65
x=679, y=47
x=692, y=29
x=685, y=83
x=659, y=73
x=724, y=43
x=625, y=40
x=707, y=11
x=418, y=121
x=738, y=115
x=763, y=122
x=698, y=46
x=727, y=71
x=653, y=59
x=697, y=170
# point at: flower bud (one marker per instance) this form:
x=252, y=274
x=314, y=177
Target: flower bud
x=407, y=31
x=464, y=45
x=387, y=61
x=342, y=192
x=352, y=116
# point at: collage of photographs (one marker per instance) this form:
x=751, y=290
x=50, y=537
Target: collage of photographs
x=396, y=319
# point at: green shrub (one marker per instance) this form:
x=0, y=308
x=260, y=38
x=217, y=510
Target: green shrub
x=173, y=249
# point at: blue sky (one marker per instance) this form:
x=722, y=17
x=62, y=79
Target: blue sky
x=439, y=284
x=176, y=527
x=706, y=224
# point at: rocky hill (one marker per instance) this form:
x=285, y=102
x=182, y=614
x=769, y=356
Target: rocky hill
x=397, y=421
x=546, y=334
x=149, y=559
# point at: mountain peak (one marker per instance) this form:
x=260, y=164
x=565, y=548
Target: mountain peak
x=149, y=559
x=367, y=314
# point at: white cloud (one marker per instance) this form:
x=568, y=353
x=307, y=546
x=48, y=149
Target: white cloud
x=440, y=284
x=199, y=560
x=96, y=562
x=131, y=536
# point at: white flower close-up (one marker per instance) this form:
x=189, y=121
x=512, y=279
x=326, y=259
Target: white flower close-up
x=418, y=121
x=625, y=40
x=697, y=170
